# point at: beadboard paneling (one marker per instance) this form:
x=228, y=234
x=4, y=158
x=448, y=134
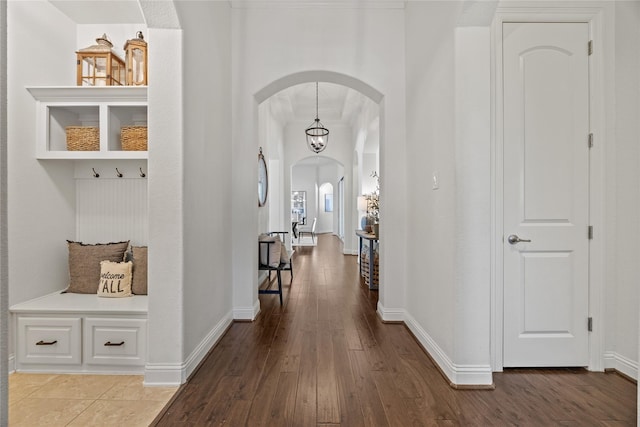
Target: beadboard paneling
x=109, y=210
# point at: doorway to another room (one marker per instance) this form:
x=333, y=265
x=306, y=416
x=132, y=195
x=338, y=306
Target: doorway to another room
x=314, y=210
x=315, y=193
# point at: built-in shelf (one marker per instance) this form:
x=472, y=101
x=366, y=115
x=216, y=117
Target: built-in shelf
x=108, y=108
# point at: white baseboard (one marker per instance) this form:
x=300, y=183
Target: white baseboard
x=346, y=251
x=12, y=363
x=247, y=313
x=163, y=374
x=174, y=374
x=200, y=352
x=390, y=314
x=459, y=375
x=613, y=360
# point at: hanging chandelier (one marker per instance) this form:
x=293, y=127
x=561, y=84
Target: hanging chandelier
x=317, y=134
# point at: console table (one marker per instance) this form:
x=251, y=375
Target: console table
x=372, y=238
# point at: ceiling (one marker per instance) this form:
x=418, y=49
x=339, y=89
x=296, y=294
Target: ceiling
x=101, y=11
x=336, y=103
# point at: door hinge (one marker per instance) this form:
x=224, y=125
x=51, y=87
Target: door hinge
x=590, y=324
x=590, y=232
x=590, y=47
x=590, y=140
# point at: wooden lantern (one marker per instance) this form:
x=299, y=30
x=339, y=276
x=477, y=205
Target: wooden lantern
x=98, y=65
x=136, y=59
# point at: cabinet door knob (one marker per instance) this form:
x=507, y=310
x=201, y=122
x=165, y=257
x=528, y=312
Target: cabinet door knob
x=46, y=343
x=111, y=344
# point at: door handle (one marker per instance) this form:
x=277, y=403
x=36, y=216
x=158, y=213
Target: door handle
x=513, y=239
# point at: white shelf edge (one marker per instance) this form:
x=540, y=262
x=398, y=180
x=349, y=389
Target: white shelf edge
x=59, y=303
x=88, y=93
x=94, y=155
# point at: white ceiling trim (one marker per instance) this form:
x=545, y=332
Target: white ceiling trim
x=319, y=4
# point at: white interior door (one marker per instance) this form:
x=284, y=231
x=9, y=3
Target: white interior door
x=546, y=194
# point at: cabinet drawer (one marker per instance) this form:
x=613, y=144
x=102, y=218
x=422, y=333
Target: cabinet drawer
x=115, y=341
x=49, y=340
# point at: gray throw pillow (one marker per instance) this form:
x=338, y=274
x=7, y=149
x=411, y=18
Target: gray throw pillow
x=84, y=264
x=139, y=258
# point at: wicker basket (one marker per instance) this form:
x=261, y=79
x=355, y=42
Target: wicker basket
x=133, y=138
x=364, y=269
x=83, y=138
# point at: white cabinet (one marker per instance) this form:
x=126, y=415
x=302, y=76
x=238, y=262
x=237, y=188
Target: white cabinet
x=106, y=108
x=109, y=341
x=81, y=333
x=49, y=340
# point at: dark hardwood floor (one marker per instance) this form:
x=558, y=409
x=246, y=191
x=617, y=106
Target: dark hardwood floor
x=325, y=358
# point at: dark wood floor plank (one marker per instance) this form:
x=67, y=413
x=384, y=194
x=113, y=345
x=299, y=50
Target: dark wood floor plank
x=351, y=413
x=265, y=390
x=238, y=413
x=328, y=409
x=392, y=401
x=324, y=358
x=437, y=398
x=306, y=397
x=372, y=408
x=222, y=399
x=284, y=400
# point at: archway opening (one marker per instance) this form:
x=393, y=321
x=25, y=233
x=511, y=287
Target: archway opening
x=352, y=111
x=296, y=172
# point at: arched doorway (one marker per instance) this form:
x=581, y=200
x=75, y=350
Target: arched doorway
x=313, y=183
x=284, y=146
x=247, y=222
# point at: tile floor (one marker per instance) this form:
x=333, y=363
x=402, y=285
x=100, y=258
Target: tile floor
x=83, y=400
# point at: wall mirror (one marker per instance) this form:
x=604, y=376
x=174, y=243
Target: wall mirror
x=263, y=180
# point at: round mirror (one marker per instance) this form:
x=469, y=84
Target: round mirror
x=263, y=180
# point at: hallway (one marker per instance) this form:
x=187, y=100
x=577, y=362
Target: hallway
x=325, y=358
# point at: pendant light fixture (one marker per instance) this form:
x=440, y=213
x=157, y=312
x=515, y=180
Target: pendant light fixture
x=317, y=134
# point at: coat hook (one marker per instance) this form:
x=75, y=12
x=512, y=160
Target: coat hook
x=95, y=174
x=118, y=174
x=142, y=174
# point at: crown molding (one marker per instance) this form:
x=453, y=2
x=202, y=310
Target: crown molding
x=317, y=4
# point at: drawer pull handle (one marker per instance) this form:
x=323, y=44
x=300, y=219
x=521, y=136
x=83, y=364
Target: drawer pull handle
x=46, y=343
x=111, y=344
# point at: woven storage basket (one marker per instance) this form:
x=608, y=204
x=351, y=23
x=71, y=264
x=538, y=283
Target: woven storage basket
x=133, y=138
x=83, y=138
x=364, y=261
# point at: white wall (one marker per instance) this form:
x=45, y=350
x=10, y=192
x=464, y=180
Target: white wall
x=4, y=281
x=41, y=194
x=622, y=289
x=370, y=164
x=275, y=215
x=431, y=262
x=166, y=275
x=207, y=174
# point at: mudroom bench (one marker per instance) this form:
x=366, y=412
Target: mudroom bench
x=80, y=333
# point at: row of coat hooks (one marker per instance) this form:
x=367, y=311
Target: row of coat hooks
x=118, y=173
